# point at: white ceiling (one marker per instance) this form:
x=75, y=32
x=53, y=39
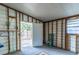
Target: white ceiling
x=47, y=11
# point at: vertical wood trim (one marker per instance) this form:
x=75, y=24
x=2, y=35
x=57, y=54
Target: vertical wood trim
x=52, y=31
x=8, y=30
x=19, y=31
x=39, y=21
x=22, y=17
x=28, y=18
x=62, y=34
x=43, y=33
x=56, y=31
x=16, y=33
x=48, y=30
x=36, y=20
x=32, y=19
x=66, y=33
x=76, y=44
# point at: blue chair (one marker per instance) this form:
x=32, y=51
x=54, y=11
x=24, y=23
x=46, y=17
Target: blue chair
x=1, y=45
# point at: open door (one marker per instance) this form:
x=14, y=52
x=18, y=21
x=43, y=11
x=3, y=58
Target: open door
x=26, y=34
x=31, y=35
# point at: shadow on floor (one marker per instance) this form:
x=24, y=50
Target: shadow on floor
x=42, y=51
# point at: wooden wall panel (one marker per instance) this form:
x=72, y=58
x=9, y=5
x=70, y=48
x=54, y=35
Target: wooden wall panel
x=18, y=31
x=25, y=18
x=12, y=36
x=58, y=28
x=3, y=18
x=38, y=21
x=10, y=22
x=21, y=17
x=54, y=32
x=12, y=13
x=63, y=34
x=59, y=33
x=4, y=42
x=34, y=20
x=12, y=30
x=46, y=32
x=77, y=43
x=3, y=30
x=50, y=27
x=30, y=19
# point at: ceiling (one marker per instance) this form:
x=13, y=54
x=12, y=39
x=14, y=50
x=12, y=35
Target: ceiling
x=47, y=11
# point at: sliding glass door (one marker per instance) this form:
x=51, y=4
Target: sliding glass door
x=73, y=32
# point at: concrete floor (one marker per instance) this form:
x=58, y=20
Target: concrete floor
x=42, y=51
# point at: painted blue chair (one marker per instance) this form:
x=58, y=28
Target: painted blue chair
x=1, y=45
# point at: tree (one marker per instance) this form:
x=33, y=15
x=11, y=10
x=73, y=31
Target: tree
x=26, y=26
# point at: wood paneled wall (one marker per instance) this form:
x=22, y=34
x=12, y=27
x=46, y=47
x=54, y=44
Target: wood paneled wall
x=58, y=29
x=10, y=24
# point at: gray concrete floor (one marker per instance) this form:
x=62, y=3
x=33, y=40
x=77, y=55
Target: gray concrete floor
x=44, y=49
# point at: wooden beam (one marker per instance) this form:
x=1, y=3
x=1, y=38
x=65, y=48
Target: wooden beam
x=76, y=44
x=52, y=31
x=19, y=31
x=28, y=18
x=66, y=36
x=12, y=17
x=48, y=30
x=43, y=32
x=8, y=30
x=16, y=33
x=32, y=19
x=22, y=17
x=63, y=18
x=56, y=31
